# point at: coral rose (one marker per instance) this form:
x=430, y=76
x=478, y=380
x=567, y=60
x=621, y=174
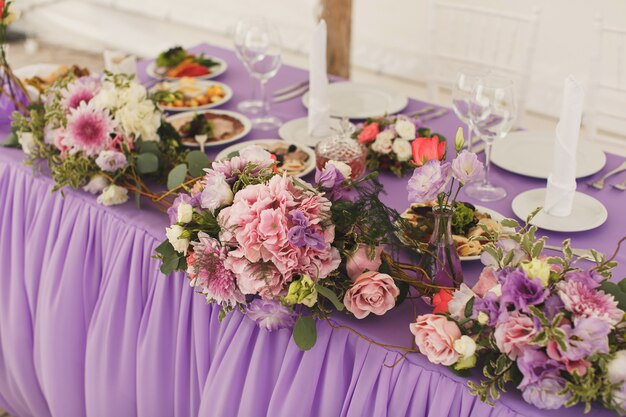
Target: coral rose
x=428, y=149
x=435, y=336
x=441, y=300
x=369, y=132
x=372, y=292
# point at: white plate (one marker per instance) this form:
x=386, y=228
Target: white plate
x=494, y=215
x=239, y=146
x=530, y=154
x=587, y=212
x=296, y=131
x=203, y=85
x=360, y=101
x=35, y=70
x=215, y=70
x=179, y=119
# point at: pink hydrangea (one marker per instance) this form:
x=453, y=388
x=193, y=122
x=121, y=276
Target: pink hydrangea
x=584, y=301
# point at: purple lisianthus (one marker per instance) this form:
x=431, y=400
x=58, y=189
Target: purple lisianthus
x=552, y=306
x=110, y=161
x=302, y=234
x=591, y=279
x=488, y=305
x=270, y=314
x=329, y=178
x=466, y=167
x=587, y=337
x=172, y=212
x=428, y=181
x=535, y=366
x=520, y=291
x=546, y=393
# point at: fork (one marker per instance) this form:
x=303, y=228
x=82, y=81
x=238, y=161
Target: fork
x=621, y=186
x=599, y=184
x=581, y=253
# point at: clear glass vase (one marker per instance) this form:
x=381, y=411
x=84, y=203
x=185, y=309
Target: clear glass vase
x=441, y=261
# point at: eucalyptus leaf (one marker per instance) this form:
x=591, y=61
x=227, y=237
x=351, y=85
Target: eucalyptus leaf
x=305, y=332
x=176, y=177
x=197, y=161
x=150, y=147
x=147, y=163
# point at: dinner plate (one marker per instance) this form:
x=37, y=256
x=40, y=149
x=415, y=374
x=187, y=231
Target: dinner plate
x=179, y=119
x=530, y=153
x=360, y=101
x=587, y=212
x=34, y=70
x=203, y=86
x=296, y=131
x=226, y=153
x=215, y=70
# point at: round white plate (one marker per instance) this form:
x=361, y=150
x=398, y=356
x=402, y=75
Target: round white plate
x=239, y=146
x=215, y=70
x=35, y=70
x=360, y=101
x=531, y=153
x=179, y=119
x=587, y=212
x=494, y=215
x=203, y=85
x=296, y=131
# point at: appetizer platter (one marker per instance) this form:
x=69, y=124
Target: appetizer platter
x=176, y=63
x=190, y=94
x=466, y=227
x=220, y=127
x=292, y=159
x=38, y=77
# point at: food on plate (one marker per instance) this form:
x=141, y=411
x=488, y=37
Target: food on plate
x=176, y=62
x=290, y=158
x=188, y=93
x=467, y=225
x=43, y=82
x=217, y=127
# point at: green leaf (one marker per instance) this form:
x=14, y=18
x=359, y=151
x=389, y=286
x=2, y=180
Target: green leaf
x=305, y=332
x=469, y=307
x=510, y=223
x=147, y=163
x=330, y=295
x=176, y=177
x=150, y=147
x=616, y=290
x=197, y=161
x=169, y=264
x=11, y=141
x=537, y=248
x=165, y=249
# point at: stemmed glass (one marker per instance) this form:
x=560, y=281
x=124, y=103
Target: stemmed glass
x=462, y=91
x=493, y=110
x=262, y=50
x=254, y=104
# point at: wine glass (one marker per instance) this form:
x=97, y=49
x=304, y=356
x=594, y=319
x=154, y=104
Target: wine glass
x=254, y=104
x=493, y=110
x=464, y=85
x=262, y=51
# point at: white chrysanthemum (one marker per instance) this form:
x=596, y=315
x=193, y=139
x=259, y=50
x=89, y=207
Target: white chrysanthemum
x=402, y=149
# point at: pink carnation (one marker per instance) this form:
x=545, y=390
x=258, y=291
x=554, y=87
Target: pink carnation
x=435, y=336
x=371, y=293
x=585, y=302
x=89, y=129
x=80, y=91
x=486, y=282
x=514, y=333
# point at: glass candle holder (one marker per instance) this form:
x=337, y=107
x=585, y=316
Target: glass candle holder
x=341, y=147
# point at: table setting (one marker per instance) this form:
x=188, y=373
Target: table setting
x=299, y=244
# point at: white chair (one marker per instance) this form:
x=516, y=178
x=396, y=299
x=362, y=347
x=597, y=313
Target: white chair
x=605, y=116
x=462, y=36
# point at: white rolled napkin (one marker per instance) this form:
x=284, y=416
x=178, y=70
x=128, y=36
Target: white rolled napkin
x=319, y=106
x=562, y=180
x=119, y=62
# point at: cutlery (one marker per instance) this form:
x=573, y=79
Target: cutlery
x=581, y=253
x=292, y=94
x=422, y=112
x=621, y=186
x=290, y=88
x=599, y=184
x=434, y=115
x=201, y=139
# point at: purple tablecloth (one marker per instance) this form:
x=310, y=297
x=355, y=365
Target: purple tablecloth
x=89, y=326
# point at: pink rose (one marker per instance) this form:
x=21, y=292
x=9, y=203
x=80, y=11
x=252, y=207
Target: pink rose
x=372, y=292
x=360, y=261
x=486, y=281
x=435, y=336
x=513, y=334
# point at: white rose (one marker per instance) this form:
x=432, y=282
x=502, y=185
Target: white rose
x=256, y=155
x=217, y=193
x=483, y=318
x=27, y=140
x=12, y=16
x=386, y=135
x=382, y=145
x=456, y=306
x=96, y=184
x=402, y=149
x=345, y=169
x=112, y=195
x=405, y=128
x=173, y=236
x=465, y=346
x=617, y=374
x=184, y=213
x=139, y=119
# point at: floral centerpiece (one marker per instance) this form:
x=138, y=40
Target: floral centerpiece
x=435, y=179
x=283, y=251
x=388, y=141
x=101, y=134
x=553, y=329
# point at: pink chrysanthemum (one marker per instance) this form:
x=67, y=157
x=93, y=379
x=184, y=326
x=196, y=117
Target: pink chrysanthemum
x=585, y=302
x=206, y=269
x=89, y=129
x=79, y=91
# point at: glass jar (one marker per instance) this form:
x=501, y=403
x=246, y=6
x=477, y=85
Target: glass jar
x=341, y=147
